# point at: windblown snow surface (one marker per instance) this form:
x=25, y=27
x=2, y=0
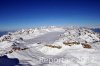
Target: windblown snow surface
x=53, y=46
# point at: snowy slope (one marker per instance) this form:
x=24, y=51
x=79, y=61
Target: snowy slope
x=53, y=46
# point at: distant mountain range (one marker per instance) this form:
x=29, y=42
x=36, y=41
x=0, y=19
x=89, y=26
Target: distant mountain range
x=96, y=30
x=3, y=32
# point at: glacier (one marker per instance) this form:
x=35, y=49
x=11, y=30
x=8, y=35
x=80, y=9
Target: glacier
x=52, y=46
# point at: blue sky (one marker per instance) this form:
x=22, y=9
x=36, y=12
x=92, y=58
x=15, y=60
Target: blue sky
x=17, y=14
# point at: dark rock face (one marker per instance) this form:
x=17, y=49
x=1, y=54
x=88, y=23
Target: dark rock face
x=5, y=61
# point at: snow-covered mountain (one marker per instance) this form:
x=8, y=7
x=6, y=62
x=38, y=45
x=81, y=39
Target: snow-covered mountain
x=53, y=46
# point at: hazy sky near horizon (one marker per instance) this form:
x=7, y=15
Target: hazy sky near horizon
x=16, y=14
